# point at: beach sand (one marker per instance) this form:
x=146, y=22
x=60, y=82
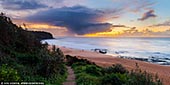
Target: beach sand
x=108, y=60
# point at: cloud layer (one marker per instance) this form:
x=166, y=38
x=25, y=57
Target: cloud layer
x=77, y=19
x=133, y=32
x=21, y=4
x=81, y=16
x=166, y=23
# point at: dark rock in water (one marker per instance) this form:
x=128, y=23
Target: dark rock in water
x=167, y=58
x=157, y=60
x=103, y=51
x=160, y=61
x=167, y=63
x=117, y=52
x=121, y=52
x=157, y=53
x=141, y=59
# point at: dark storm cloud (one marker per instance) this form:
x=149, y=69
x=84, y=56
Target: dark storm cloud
x=21, y=4
x=147, y=15
x=77, y=19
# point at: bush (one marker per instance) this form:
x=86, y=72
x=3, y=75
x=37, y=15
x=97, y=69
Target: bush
x=51, y=63
x=85, y=79
x=93, y=70
x=71, y=60
x=27, y=59
x=8, y=74
x=117, y=68
x=77, y=64
x=111, y=79
x=137, y=77
x=89, y=69
x=56, y=79
x=6, y=59
x=79, y=69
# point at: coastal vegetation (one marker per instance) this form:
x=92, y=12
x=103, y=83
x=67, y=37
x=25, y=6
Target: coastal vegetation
x=87, y=73
x=24, y=58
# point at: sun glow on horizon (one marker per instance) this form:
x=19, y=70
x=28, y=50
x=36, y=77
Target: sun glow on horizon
x=112, y=33
x=130, y=32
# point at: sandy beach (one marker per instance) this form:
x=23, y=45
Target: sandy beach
x=108, y=60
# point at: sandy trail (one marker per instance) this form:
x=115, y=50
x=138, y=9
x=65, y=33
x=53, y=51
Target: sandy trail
x=70, y=78
x=107, y=60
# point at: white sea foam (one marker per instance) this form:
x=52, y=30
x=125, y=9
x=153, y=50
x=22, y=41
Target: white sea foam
x=157, y=48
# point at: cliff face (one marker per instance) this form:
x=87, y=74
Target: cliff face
x=42, y=35
x=16, y=38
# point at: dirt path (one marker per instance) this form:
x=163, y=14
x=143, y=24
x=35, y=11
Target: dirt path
x=71, y=77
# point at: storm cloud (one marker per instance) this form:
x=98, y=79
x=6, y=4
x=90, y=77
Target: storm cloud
x=147, y=15
x=21, y=4
x=76, y=19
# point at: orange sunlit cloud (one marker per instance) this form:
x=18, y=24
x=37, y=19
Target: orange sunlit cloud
x=55, y=30
x=39, y=26
x=112, y=33
x=30, y=25
x=133, y=32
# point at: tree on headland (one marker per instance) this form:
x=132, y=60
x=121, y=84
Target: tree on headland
x=25, y=26
x=2, y=14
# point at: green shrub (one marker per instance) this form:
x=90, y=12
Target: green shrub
x=27, y=59
x=111, y=79
x=8, y=74
x=89, y=69
x=93, y=70
x=71, y=60
x=56, y=79
x=117, y=68
x=123, y=77
x=85, y=79
x=79, y=69
x=76, y=64
x=51, y=63
x=6, y=59
x=137, y=77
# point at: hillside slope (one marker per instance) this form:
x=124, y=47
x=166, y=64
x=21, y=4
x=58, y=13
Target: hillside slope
x=24, y=58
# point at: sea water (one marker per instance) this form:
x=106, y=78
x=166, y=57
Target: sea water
x=156, y=50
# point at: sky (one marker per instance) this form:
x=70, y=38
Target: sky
x=92, y=18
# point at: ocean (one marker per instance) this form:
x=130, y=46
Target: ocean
x=155, y=50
